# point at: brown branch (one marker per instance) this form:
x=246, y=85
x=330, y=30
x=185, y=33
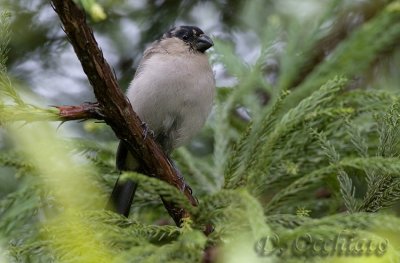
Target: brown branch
x=115, y=108
x=89, y=110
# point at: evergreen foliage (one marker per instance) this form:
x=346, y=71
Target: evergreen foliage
x=319, y=161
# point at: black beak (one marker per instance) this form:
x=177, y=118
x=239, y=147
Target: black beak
x=203, y=43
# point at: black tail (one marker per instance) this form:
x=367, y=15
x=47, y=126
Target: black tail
x=122, y=195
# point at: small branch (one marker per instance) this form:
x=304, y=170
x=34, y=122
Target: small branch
x=112, y=104
x=31, y=113
x=89, y=110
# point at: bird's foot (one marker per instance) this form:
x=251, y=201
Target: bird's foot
x=146, y=130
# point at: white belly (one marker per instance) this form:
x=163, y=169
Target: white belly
x=173, y=95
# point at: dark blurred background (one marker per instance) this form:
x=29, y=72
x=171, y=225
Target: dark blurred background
x=274, y=33
x=276, y=45
x=43, y=62
x=41, y=57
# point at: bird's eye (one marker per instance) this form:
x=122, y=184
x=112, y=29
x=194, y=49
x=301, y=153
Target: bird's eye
x=185, y=37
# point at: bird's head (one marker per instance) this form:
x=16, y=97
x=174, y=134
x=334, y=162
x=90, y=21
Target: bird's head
x=193, y=36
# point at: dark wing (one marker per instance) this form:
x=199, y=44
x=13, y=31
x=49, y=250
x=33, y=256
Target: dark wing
x=123, y=192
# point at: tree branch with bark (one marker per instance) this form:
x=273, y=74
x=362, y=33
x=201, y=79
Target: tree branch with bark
x=113, y=107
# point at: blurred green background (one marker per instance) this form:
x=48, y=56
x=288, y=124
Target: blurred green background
x=269, y=55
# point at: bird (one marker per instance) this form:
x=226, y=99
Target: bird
x=172, y=92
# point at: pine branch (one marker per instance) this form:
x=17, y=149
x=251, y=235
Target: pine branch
x=352, y=57
x=4, y=39
x=257, y=168
x=347, y=188
x=339, y=32
x=383, y=188
x=117, y=111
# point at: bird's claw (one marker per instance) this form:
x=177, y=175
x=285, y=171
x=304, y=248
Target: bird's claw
x=146, y=130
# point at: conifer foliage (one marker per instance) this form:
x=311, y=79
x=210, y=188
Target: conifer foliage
x=313, y=175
